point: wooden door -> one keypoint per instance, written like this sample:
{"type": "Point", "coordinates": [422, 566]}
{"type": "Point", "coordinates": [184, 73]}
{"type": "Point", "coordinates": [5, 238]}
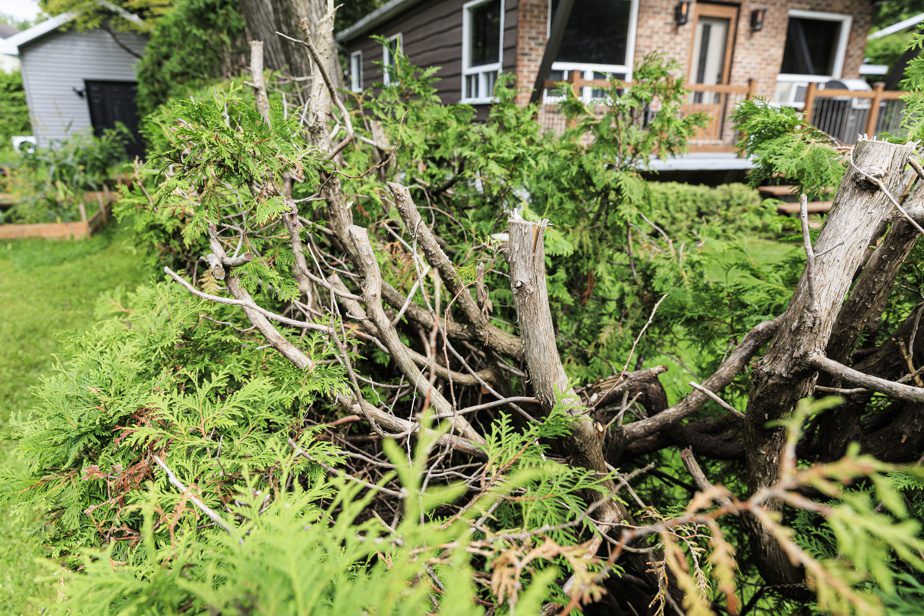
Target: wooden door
{"type": "Point", "coordinates": [111, 103]}
{"type": "Point", "coordinates": [711, 50]}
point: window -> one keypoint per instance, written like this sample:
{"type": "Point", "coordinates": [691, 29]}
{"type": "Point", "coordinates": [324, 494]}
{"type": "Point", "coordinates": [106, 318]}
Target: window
{"type": "Point", "coordinates": [356, 71]}
{"type": "Point", "coordinates": [814, 52]}
{"type": "Point", "coordinates": [482, 31]}
{"type": "Point", "coordinates": [390, 50]}
{"type": "Point", "coordinates": [598, 43]}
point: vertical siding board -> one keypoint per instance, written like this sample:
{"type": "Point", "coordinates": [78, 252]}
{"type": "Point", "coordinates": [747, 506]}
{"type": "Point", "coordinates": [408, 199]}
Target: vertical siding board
{"type": "Point", "coordinates": [432, 35]}
{"type": "Point", "coordinates": [56, 65]}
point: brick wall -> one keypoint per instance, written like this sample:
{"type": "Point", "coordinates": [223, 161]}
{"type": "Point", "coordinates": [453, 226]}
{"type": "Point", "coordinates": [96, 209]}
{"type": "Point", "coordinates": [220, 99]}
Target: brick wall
{"type": "Point", "coordinates": [757, 55]}
{"type": "Point", "coordinates": [532, 33]}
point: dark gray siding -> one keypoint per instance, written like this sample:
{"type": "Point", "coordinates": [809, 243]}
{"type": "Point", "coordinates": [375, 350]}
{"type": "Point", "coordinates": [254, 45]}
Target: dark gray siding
{"type": "Point", "coordinates": [56, 65]}
{"type": "Point", "coordinates": [432, 36]}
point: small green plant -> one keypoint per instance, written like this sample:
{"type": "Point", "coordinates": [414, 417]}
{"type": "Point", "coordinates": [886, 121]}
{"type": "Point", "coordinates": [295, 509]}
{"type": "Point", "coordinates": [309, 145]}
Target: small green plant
{"type": "Point", "coordinates": [49, 182]}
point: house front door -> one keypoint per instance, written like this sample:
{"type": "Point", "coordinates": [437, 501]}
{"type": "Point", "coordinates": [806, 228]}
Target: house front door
{"type": "Point", "coordinates": [711, 52]}
{"type": "Point", "coordinates": [111, 103]}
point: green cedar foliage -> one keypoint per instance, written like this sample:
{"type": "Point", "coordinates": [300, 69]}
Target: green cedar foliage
{"type": "Point", "coordinates": [914, 82]}
{"type": "Point", "coordinates": [313, 549]}
{"type": "Point", "coordinates": [161, 375]}
{"type": "Point", "coordinates": [785, 146]}
{"type": "Point", "coordinates": [93, 14]}
{"type": "Point", "coordinates": [168, 377]}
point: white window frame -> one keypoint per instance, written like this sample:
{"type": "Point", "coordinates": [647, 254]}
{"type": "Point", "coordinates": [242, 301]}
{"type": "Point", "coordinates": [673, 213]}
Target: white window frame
{"type": "Point", "coordinates": [480, 70]}
{"type": "Point", "coordinates": [356, 71]}
{"type": "Point", "coordinates": [588, 69]}
{"type": "Point", "coordinates": [387, 60]}
{"type": "Point", "coordinates": [840, 54]}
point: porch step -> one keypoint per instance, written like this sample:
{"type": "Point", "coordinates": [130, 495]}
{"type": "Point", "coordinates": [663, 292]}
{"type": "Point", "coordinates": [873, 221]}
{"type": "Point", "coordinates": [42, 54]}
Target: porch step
{"type": "Point", "coordinates": [780, 191]}
{"type": "Point", "coordinates": [814, 207]}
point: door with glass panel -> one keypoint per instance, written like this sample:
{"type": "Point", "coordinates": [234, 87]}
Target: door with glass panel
{"type": "Point", "coordinates": [710, 63]}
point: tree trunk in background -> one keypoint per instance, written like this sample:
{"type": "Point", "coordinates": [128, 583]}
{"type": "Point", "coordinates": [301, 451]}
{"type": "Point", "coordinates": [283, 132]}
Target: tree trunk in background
{"type": "Point", "coordinates": [784, 374]}
{"type": "Point", "coordinates": [266, 17]}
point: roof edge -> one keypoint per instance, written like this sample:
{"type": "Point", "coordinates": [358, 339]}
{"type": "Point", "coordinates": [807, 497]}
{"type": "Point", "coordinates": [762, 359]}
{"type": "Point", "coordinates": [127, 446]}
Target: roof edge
{"type": "Point", "coordinates": [375, 18]}
{"type": "Point", "coordinates": [10, 46]}
{"type": "Point", "coordinates": [897, 27]}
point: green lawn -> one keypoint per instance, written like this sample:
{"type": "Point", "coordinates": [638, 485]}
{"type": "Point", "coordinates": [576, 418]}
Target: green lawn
{"type": "Point", "coordinates": [48, 291]}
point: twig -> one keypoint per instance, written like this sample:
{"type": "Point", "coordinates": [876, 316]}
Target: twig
{"type": "Point", "coordinates": [699, 477]}
{"type": "Point", "coordinates": [809, 251]}
{"type": "Point", "coordinates": [212, 514]}
{"type": "Point", "coordinates": [917, 167]}
{"type": "Point", "coordinates": [252, 305]}
{"type": "Point", "coordinates": [642, 333]}
{"type": "Point", "coordinates": [715, 398]}
{"type": "Point", "coordinates": [339, 473]}
{"type": "Point", "coordinates": [883, 386]}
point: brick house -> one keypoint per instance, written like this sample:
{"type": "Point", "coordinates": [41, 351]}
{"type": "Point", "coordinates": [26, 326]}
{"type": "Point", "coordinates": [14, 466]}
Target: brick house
{"type": "Point", "coordinates": [727, 50]}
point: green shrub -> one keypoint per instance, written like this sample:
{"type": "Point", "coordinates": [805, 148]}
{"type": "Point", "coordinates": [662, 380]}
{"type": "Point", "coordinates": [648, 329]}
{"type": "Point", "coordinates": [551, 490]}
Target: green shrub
{"type": "Point", "coordinates": [786, 149]}
{"type": "Point", "coordinates": [164, 453]}
{"type": "Point", "coordinates": [48, 182]}
{"type": "Point", "coordinates": [163, 379]}
{"type": "Point", "coordinates": [728, 211]}
{"type": "Point", "coordinates": [15, 117]}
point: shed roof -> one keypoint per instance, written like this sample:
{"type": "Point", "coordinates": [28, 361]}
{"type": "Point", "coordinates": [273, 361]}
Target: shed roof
{"type": "Point", "coordinates": [6, 31]}
{"type": "Point", "coordinates": [12, 45]}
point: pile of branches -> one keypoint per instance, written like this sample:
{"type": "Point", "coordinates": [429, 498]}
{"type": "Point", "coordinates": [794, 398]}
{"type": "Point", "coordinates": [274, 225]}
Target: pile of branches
{"type": "Point", "coordinates": [450, 368]}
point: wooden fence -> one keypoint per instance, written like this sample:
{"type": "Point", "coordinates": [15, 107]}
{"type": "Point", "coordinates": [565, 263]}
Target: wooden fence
{"type": "Point", "coordinates": [846, 114]}
{"type": "Point", "coordinates": [843, 114]}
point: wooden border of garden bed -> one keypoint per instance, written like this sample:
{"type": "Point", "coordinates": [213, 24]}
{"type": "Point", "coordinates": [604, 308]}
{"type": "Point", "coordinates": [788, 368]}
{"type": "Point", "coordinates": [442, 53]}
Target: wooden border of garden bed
{"type": "Point", "coordinates": [85, 227]}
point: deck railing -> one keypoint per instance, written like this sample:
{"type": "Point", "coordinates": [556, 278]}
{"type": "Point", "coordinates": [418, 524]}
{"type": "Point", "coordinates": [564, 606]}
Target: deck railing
{"type": "Point", "coordinates": [843, 114]}
{"type": "Point", "coordinates": [846, 114]}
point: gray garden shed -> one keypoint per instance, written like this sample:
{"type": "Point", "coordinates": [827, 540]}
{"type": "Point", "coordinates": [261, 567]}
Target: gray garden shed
{"type": "Point", "coordinates": [75, 80]}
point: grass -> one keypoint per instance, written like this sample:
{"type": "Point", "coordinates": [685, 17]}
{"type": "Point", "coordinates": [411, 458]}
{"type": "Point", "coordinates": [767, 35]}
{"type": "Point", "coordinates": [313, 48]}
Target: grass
{"type": "Point", "coordinates": [48, 291]}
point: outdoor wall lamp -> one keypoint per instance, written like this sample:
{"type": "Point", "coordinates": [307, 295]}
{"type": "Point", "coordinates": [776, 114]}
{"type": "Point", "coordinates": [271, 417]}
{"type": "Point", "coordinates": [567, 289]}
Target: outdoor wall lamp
{"type": "Point", "coordinates": [758, 16]}
{"type": "Point", "coordinates": [79, 93]}
{"type": "Point", "coordinates": [682, 13]}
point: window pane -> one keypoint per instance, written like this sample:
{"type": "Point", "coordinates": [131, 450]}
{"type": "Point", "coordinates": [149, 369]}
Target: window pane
{"type": "Point", "coordinates": [489, 78]}
{"type": "Point", "coordinates": [811, 45]}
{"type": "Point", "coordinates": [392, 47]}
{"type": "Point", "coordinates": [356, 72]}
{"type": "Point", "coordinates": [484, 33]}
{"type": "Point", "coordinates": [597, 32]}
{"type": "Point", "coordinates": [471, 86]}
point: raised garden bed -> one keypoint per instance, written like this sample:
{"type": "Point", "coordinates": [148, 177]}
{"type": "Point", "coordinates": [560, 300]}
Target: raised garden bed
{"type": "Point", "coordinates": [99, 204]}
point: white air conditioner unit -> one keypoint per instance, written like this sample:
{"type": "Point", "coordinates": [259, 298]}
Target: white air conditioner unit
{"type": "Point", "coordinates": [854, 85]}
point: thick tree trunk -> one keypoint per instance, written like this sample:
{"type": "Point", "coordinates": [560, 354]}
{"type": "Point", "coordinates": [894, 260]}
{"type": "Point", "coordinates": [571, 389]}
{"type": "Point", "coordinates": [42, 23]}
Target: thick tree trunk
{"type": "Point", "coordinates": [267, 17]}
{"type": "Point", "coordinates": [784, 375]}
{"type": "Point", "coordinates": [859, 315]}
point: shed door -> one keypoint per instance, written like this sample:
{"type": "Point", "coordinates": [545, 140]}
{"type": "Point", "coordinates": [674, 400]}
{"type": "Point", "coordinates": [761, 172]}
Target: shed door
{"type": "Point", "coordinates": [113, 102]}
